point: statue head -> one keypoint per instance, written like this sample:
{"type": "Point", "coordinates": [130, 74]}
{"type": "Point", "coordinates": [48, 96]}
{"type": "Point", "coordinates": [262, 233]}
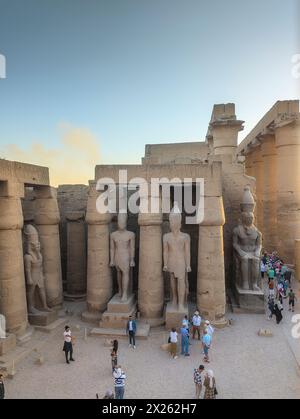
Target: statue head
{"type": "Point", "coordinates": [175, 219]}
{"type": "Point", "coordinates": [32, 238]}
{"type": "Point", "coordinates": [122, 221]}
{"type": "Point", "coordinates": [247, 219]}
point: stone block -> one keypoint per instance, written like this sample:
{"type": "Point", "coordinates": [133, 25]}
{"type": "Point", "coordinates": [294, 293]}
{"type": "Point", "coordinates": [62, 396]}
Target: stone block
{"type": "Point", "coordinates": [250, 301]}
{"type": "Point", "coordinates": [174, 317]}
{"type": "Point", "coordinates": [116, 306]}
{"type": "Point", "coordinates": [265, 332]}
{"type": "Point", "coordinates": [8, 344]}
{"type": "Point", "coordinates": [43, 318]}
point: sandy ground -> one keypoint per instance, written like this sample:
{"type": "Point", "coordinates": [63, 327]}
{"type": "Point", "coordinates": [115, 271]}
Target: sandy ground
{"type": "Point", "coordinates": [245, 365]}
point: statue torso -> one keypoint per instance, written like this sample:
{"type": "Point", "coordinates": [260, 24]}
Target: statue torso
{"type": "Point", "coordinates": [176, 253]}
{"type": "Point", "coordinates": [122, 241]}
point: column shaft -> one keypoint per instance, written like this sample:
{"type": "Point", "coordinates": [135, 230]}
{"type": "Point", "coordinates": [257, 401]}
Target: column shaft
{"type": "Point", "coordinates": [47, 220]}
{"type": "Point", "coordinates": [12, 281]}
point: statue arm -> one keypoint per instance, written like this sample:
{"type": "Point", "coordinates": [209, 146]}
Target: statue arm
{"type": "Point", "coordinates": [258, 245]}
{"type": "Point", "coordinates": [187, 253]}
{"type": "Point", "coordinates": [27, 261]}
{"type": "Point", "coordinates": [236, 245]}
{"type": "Point", "coordinates": [166, 253]}
{"type": "Point", "coordinates": [112, 251]}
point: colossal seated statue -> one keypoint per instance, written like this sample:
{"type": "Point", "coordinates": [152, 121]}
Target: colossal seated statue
{"type": "Point", "coordinates": [247, 244]}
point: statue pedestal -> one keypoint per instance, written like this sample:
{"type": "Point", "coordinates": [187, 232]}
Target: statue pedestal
{"type": "Point", "coordinates": [174, 317]}
{"type": "Point", "coordinates": [117, 313]}
{"type": "Point", "coordinates": [44, 318]}
{"type": "Point", "coordinates": [7, 344]}
{"type": "Point", "coordinates": [249, 301]}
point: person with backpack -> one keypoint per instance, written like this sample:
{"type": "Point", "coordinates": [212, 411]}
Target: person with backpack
{"type": "Point", "coordinates": [119, 378]}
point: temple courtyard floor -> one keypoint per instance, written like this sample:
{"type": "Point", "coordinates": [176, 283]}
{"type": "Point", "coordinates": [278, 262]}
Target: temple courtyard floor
{"type": "Point", "coordinates": [245, 364]}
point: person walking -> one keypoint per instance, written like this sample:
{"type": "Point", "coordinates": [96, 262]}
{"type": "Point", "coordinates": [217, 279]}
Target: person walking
{"type": "Point", "coordinates": [206, 342]}
{"type": "Point", "coordinates": [68, 345]}
{"type": "Point", "coordinates": [114, 354]}
{"type": "Point", "coordinates": [119, 377]}
{"type": "Point", "coordinates": [263, 269]}
{"type": "Point", "coordinates": [2, 388]}
{"type": "Point", "coordinates": [210, 386]}
{"type": "Point", "coordinates": [198, 380]}
{"type": "Point", "coordinates": [271, 306]}
{"type": "Point", "coordinates": [173, 340]}
{"type": "Point", "coordinates": [196, 321]}
{"type": "Point", "coordinates": [131, 331]}
{"type": "Point", "coordinates": [271, 274]}
{"type": "Point", "coordinates": [278, 311]}
{"type": "Point", "coordinates": [184, 341]}
{"type": "Point", "coordinates": [292, 298]}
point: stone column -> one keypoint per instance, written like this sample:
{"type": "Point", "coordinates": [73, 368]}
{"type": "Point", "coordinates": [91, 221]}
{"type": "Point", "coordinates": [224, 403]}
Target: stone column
{"type": "Point", "coordinates": [12, 281]}
{"type": "Point", "coordinates": [287, 136]}
{"type": "Point", "coordinates": [268, 152]}
{"type": "Point", "coordinates": [258, 173]}
{"type": "Point", "coordinates": [99, 278]}
{"type": "Point", "coordinates": [151, 285]}
{"type": "Point", "coordinates": [211, 298]}
{"type": "Point", "coordinates": [47, 222]}
{"type": "Point", "coordinates": [225, 135]}
{"type": "Point", "coordinates": [297, 259]}
{"type": "Point", "coordinates": [76, 255]}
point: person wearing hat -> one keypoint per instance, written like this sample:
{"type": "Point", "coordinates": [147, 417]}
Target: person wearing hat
{"type": "Point", "coordinates": [209, 328]}
{"type": "Point", "coordinates": [196, 321]}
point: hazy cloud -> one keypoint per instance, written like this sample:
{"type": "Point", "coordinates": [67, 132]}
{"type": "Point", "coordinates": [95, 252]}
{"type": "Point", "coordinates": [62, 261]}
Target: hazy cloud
{"type": "Point", "coordinates": [73, 161]}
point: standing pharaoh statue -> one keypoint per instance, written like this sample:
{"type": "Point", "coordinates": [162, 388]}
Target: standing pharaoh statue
{"type": "Point", "coordinates": [247, 244]}
{"type": "Point", "coordinates": [177, 255]}
{"type": "Point", "coordinates": [122, 252]}
{"type": "Point", "coordinates": [35, 281]}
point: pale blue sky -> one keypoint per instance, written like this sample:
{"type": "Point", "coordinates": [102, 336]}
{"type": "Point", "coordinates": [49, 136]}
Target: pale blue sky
{"type": "Point", "coordinates": [140, 71]}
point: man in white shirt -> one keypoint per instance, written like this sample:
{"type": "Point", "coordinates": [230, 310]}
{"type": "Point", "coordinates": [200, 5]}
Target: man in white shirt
{"type": "Point", "coordinates": [196, 324]}
{"type": "Point", "coordinates": [68, 347]}
{"type": "Point", "coordinates": [119, 377]}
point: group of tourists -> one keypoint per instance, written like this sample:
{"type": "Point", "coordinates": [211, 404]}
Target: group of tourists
{"type": "Point", "coordinates": [279, 285]}
{"type": "Point", "coordinates": [187, 329]}
{"type": "Point", "coordinates": [192, 329]}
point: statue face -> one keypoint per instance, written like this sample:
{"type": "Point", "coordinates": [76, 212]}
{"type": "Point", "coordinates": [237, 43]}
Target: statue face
{"type": "Point", "coordinates": [175, 223]}
{"type": "Point", "coordinates": [247, 219]}
{"type": "Point", "coordinates": [122, 221]}
{"type": "Point", "coordinates": [35, 246]}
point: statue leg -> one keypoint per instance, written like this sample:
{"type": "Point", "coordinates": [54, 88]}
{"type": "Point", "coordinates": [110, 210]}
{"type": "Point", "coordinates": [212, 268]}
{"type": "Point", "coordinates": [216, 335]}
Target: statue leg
{"type": "Point", "coordinates": [30, 300]}
{"type": "Point", "coordinates": [245, 273]}
{"type": "Point", "coordinates": [173, 290]}
{"type": "Point", "coordinates": [181, 293]}
{"type": "Point", "coordinates": [42, 294]}
{"type": "Point", "coordinates": [255, 265]}
{"type": "Point", "coordinates": [125, 278]}
{"type": "Point", "coordinates": [119, 279]}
